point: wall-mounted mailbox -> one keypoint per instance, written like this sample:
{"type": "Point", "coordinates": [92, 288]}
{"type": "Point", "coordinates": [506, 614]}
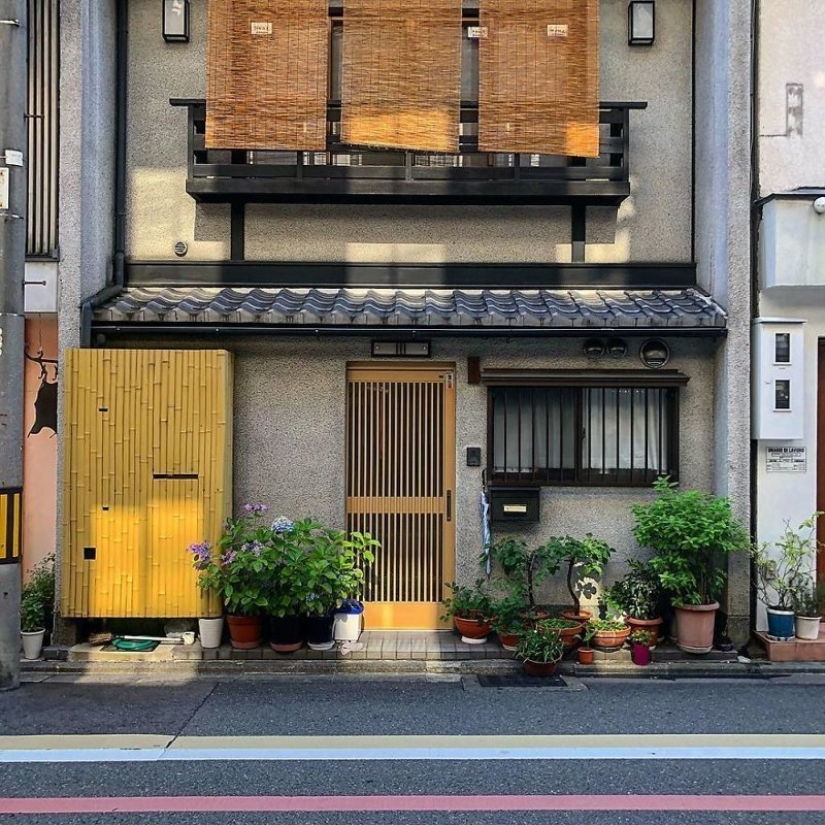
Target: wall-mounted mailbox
{"type": "Point", "coordinates": [514, 504]}
{"type": "Point", "coordinates": [778, 380]}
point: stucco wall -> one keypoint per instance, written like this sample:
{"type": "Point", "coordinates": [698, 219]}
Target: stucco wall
{"type": "Point", "coordinates": [290, 436]}
{"type": "Point", "coordinates": [791, 149]}
{"type": "Point", "coordinates": [652, 225]}
{"type": "Point", "coordinates": [723, 130]}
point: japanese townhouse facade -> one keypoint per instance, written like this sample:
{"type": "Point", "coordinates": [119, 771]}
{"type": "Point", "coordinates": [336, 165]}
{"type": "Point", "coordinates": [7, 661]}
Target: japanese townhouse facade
{"type": "Point", "coordinates": [789, 231]}
{"type": "Point", "coordinates": [405, 326]}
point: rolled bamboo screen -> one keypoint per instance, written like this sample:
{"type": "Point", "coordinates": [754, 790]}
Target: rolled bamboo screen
{"type": "Point", "coordinates": [539, 77]}
{"type": "Point", "coordinates": [402, 74]}
{"type": "Point", "coordinates": [267, 74]}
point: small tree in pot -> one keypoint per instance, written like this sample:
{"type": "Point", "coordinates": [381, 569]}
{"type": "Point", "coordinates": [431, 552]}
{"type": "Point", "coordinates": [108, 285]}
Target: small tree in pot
{"type": "Point", "coordinates": [471, 609]}
{"type": "Point", "coordinates": [692, 533]}
{"type": "Point", "coordinates": [581, 559]}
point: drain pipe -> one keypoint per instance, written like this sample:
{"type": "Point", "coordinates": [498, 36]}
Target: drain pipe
{"type": "Point", "coordinates": [118, 274]}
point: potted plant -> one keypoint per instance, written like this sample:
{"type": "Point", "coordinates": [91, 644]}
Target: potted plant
{"type": "Point", "coordinates": [636, 595]}
{"type": "Point", "coordinates": [234, 569]}
{"type": "Point", "coordinates": [783, 573]}
{"type": "Point", "coordinates": [525, 570]}
{"type": "Point", "coordinates": [539, 652]}
{"type": "Point", "coordinates": [36, 607]}
{"type": "Point", "coordinates": [640, 645]}
{"type": "Point", "coordinates": [567, 630]}
{"type": "Point", "coordinates": [585, 651]}
{"type": "Point", "coordinates": [581, 559]}
{"type": "Point", "coordinates": [806, 613]}
{"type": "Point", "coordinates": [608, 634]}
{"type": "Point", "coordinates": [332, 572]}
{"type": "Point", "coordinates": [470, 608]}
{"type": "Point", "coordinates": [508, 620]}
{"type": "Point", "coordinates": [691, 533]}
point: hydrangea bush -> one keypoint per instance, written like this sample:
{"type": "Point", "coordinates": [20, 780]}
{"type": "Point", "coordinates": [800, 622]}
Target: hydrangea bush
{"type": "Point", "coordinates": [282, 568]}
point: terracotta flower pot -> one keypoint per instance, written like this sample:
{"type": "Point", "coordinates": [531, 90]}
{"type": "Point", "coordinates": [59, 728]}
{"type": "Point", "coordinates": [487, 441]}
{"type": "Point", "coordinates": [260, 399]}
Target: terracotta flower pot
{"type": "Point", "coordinates": [610, 639]}
{"type": "Point", "coordinates": [586, 655]}
{"type": "Point", "coordinates": [694, 627]}
{"type": "Point", "coordinates": [568, 635]}
{"type": "Point", "coordinates": [582, 616]}
{"type": "Point", "coordinates": [650, 626]}
{"type": "Point", "coordinates": [509, 641]}
{"type": "Point", "coordinates": [245, 632]}
{"type": "Point", "coordinates": [538, 668]}
{"type": "Point", "coordinates": [473, 631]}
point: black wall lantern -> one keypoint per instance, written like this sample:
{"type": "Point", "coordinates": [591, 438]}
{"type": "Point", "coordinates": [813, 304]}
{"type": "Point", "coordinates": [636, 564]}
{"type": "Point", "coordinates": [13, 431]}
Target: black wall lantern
{"type": "Point", "coordinates": [176, 21]}
{"type": "Point", "coordinates": [641, 23]}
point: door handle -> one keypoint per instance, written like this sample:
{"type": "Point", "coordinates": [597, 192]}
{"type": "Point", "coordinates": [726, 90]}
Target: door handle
{"type": "Point", "coordinates": [449, 505]}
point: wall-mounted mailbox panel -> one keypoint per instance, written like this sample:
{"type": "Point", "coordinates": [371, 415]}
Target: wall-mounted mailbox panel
{"type": "Point", "coordinates": [516, 504]}
{"type": "Point", "coordinates": [778, 380]}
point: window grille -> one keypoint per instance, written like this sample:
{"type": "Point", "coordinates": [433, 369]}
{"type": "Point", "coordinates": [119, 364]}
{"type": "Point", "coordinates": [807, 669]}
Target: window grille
{"type": "Point", "coordinates": [599, 436]}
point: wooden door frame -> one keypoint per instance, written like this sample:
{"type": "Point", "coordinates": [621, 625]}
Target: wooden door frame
{"type": "Point", "coordinates": [425, 615]}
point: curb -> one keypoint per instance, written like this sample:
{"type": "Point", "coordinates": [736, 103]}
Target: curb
{"type": "Point", "coordinates": [418, 667]}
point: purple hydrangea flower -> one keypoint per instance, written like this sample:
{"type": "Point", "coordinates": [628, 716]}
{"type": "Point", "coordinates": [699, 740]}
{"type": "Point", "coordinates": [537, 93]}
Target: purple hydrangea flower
{"type": "Point", "coordinates": [228, 557]}
{"type": "Point", "coordinates": [255, 508]}
{"type": "Point", "coordinates": [283, 525]}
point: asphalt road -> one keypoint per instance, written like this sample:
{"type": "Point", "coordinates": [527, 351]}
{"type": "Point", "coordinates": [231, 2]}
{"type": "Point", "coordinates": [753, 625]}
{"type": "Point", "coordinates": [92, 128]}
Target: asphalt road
{"type": "Point", "coordinates": [375, 708]}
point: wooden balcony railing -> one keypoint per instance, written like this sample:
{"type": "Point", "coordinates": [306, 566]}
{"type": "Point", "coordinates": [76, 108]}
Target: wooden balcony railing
{"type": "Point", "coordinates": [347, 174]}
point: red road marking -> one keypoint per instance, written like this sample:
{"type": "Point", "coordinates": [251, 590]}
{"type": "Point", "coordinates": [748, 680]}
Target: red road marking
{"type": "Point", "coordinates": [282, 804]}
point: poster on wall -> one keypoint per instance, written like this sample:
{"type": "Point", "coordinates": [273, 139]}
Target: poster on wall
{"type": "Point", "coordinates": [786, 460]}
{"type": "Point", "coordinates": [45, 402]}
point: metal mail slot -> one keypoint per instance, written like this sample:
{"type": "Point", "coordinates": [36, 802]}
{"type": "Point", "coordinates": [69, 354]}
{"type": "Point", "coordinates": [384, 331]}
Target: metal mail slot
{"type": "Point", "coordinates": [514, 504]}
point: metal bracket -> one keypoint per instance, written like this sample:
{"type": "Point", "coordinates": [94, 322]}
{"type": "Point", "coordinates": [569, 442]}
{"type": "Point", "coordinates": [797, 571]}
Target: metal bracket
{"type": "Point", "coordinates": [9, 22]}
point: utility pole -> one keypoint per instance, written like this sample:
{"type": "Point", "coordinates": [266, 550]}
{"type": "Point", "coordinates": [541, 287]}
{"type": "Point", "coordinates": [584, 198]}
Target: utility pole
{"type": "Point", "coordinates": [13, 192]}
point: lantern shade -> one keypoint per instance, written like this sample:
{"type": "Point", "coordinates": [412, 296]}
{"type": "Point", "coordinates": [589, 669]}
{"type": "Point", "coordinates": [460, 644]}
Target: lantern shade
{"type": "Point", "coordinates": [641, 23]}
{"type": "Point", "coordinates": [176, 21]}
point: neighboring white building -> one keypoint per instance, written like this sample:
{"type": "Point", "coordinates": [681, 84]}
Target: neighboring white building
{"type": "Point", "coordinates": [789, 325]}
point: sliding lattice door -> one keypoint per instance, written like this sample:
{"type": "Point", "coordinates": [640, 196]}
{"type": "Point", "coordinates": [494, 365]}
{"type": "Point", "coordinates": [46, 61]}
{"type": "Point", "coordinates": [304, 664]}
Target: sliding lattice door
{"type": "Point", "coordinates": [401, 487]}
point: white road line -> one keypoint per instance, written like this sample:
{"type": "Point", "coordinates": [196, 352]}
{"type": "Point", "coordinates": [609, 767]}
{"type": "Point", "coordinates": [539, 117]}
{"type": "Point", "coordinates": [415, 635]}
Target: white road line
{"type": "Point", "coordinates": [23, 756]}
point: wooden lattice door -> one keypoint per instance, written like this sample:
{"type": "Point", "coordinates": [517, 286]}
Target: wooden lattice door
{"type": "Point", "coordinates": [401, 487]}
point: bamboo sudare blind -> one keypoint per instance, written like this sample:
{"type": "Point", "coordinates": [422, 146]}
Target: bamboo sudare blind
{"type": "Point", "coordinates": [539, 77]}
{"type": "Point", "coordinates": [402, 74]}
{"type": "Point", "coordinates": [267, 74]}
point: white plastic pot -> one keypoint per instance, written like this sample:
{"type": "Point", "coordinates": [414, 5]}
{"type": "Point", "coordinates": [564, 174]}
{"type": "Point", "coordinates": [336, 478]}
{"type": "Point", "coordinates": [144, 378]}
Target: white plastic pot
{"type": "Point", "coordinates": [346, 627]}
{"type": "Point", "coordinates": [807, 627]}
{"type": "Point", "coordinates": [32, 643]}
{"type": "Point", "coordinates": [211, 632]}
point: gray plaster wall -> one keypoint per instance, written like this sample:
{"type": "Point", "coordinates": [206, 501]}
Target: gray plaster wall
{"type": "Point", "coordinates": [723, 186]}
{"type": "Point", "coordinates": [290, 436]}
{"type": "Point", "coordinates": [652, 225]}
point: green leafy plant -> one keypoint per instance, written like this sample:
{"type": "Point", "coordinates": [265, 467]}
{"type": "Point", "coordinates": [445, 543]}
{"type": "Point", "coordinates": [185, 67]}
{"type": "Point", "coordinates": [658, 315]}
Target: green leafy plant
{"type": "Point", "coordinates": [641, 637]}
{"type": "Point", "coordinates": [332, 569]}
{"type": "Point", "coordinates": [586, 635]}
{"type": "Point", "coordinates": [235, 567]}
{"type": "Point", "coordinates": [507, 614]}
{"type": "Point", "coordinates": [535, 646]}
{"type": "Point", "coordinates": [37, 597]}
{"type": "Point", "coordinates": [606, 626]}
{"type": "Point", "coordinates": [584, 559]}
{"type": "Point", "coordinates": [467, 602]}
{"type": "Point", "coordinates": [784, 569]}
{"type": "Point", "coordinates": [690, 532]}
{"type": "Point", "coordinates": [636, 594]}
{"type": "Point", "coordinates": [806, 604]}
{"type": "Point", "coordinates": [555, 625]}
{"type": "Point", "coordinates": [525, 568]}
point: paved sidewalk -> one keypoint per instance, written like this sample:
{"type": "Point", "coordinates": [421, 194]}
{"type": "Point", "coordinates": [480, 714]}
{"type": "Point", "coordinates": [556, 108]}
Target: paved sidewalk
{"type": "Point", "coordinates": [388, 652]}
